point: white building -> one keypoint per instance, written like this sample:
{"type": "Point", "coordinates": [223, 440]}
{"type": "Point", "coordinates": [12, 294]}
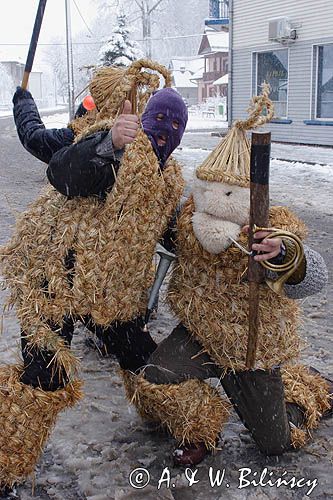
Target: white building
{"type": "Point", "coordinates": [289, 44]}
{"type": "Point", "coordinates": [183, 69]}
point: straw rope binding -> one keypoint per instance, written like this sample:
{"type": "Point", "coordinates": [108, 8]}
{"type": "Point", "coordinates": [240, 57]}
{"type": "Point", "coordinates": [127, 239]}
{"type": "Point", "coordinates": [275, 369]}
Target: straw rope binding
{"type": "Point", "coordinates": [229, 162]}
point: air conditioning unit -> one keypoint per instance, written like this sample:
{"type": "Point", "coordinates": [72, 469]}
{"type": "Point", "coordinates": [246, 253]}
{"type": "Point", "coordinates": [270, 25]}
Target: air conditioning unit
{"type": "Point", "coordinates": [281, 30]}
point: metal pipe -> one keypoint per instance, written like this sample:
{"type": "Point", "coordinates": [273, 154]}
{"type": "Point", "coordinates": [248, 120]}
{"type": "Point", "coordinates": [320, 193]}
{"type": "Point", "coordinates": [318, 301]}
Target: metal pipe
{"type": "Point", "coordinates": [230, 71]}
{"type": "Point", "coordinates": [70, 72]}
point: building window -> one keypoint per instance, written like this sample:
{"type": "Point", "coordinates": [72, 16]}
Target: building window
{"type": "Point", "coordinates": [325, 81]}
{"type": "Point", "coordinates": [272, 67]}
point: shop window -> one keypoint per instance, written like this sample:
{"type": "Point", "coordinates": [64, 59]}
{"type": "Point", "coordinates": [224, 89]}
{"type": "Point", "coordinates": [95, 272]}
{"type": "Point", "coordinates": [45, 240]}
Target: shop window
{"type": "Point", "coordinates": [272, 67]}
{"type": "Point", "coordinates": [324, 87]}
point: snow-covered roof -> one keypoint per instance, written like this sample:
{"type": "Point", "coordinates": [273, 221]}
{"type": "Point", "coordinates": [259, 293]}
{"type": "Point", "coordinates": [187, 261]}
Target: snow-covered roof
{"type": "Point", "coordinates": [222, 80]}
{"type": "Point", "coordinates": [218, 40]}
{"type": "Point", "coordinates": [19, 54]}
{"type": "Point", "coordinates": [214, 41]}
{"type": "Point", "coordinates": [191, 64]}
{"type": "Point", "coordinates": [11, 60]}
{"type": "Point", "coordinates": [198, 74]}
{"type": "Point", "coordinates": [183, 79]}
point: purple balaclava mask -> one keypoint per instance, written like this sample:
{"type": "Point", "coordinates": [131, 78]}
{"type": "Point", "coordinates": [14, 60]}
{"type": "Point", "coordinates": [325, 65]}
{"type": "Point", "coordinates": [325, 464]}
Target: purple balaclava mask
{"type": "Point", "coordinates": [164, 121]}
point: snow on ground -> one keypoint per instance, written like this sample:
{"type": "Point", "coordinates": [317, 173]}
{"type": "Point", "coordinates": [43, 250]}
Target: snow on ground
{"type": "Point", "coordinates": [194, 122]}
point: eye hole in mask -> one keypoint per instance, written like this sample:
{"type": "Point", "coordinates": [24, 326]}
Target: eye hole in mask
{"type": "Point", "coordinates": [175, 123]}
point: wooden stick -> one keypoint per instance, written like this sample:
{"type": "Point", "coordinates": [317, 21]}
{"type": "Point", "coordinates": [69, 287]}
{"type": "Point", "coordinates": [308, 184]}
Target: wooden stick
{"type": "Point", "coordinates": [259, 215]}
{"type": "Point", "coordinates": [33, 43]}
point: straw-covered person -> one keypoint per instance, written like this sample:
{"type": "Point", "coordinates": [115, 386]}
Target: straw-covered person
{"type": "Point", "coordinates": [281, 400]}
{"type": "Point", "coordinates": [83, 251]}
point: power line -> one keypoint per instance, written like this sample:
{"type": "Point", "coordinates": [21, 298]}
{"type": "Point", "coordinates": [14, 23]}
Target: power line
{"type": "Point", "coordinates": [175, 37]}
{"type": "Point", "coordinates": [77, 8]}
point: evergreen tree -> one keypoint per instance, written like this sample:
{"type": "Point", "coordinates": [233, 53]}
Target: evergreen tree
{"type": "Point", "coordinates": [119, 49]}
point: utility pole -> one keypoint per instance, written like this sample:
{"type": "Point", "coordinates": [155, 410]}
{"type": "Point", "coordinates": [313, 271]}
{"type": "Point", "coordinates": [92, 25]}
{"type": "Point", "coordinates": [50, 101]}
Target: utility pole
{"type": "Point", "coordinates": [70, 72]}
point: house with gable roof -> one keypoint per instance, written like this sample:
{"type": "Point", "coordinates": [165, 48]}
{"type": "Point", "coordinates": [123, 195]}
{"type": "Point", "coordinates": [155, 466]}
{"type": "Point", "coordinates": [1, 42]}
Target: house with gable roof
{"type": "Point", "coordinates": [183, 69]}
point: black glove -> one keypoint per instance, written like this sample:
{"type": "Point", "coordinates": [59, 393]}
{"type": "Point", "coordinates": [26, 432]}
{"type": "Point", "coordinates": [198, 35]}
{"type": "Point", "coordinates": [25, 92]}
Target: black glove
{"type": "Point", "coordinates": [21, 94]}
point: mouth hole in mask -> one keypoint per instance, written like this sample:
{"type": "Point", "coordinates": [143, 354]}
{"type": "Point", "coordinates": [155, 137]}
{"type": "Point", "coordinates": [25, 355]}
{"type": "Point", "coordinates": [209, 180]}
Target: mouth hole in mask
{"type": "Point", "coordinates": [228, 193]}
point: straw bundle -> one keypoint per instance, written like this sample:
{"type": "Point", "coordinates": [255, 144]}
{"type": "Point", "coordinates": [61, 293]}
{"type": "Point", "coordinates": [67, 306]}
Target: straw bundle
{"type": "Point", "coordinates": [192, 411]}
{"type": "Point", "coordinates": [298, 437]}
{"type": "Point", "coordinates": [78, 125]}
{"type": "Point", "coordinates": [111, 86]}
{"type": "Point", "coordinates": [27, 416]}
{"type": "Point", "coordinates": [229, 162]}
{"type": "Point", "coordinates": [209, 295]}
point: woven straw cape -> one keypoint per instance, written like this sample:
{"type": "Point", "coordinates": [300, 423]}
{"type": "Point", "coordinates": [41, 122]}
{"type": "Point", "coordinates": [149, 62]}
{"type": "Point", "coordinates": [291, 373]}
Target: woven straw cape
{"type": "Point", "coordinates": [229, 162]}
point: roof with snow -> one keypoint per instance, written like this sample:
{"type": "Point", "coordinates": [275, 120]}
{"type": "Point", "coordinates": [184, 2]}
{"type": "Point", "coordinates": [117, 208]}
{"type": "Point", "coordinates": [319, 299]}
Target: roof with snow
{"type": "Point", "coordinates": [191, 64]}
{"type": "Point", "coordinates": [222, 80]}
{"type": "Point", "coordinates": [198, 74]}
{"type": "Point", "coordinates": [214, 41]}
{"type": "Point", "coordinates": [182, 79]}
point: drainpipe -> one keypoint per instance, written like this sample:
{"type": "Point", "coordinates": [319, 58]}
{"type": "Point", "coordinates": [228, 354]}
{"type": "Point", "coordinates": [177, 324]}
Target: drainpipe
{"type": "Point", "coordinates": [229, 97]}
{"type": "Point", "coordinates": [70, 70]}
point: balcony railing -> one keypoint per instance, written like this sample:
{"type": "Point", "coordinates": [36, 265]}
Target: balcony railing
{"type": "Point", "coordinates": [218, 9]}
{"type": "Point", "coordinates": [210, 76]}
{"type": "Point", "coordinates": [218, 14]}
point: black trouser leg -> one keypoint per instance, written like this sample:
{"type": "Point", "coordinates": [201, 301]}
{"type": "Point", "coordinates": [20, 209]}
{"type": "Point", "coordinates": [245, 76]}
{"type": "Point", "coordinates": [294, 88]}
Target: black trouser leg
{"type": "Point", "coordinates": [258, 398]}
{"type": "Point", "coordinates": [128, 342]}
{"type": "Point", "coordinates": [178, 358]}
{"type": "Point", "coordinates": [103, 345]}
{"type": "Point", "coordinates": [39, 367]}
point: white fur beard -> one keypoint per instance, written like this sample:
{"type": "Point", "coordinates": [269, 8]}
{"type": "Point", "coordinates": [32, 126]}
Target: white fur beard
{"type": "Point", "coordinates": [214, 233]}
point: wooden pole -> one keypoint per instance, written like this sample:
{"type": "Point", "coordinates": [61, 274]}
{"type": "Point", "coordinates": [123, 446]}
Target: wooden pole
{"type": "Point", "coordinates": [33, 43]}
{"type": "Point", "coordinates": [259, 215]}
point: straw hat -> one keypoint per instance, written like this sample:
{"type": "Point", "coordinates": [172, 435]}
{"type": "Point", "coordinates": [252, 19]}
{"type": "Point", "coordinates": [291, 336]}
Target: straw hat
{"type": "Point", "coordinates": [229, 162]}
{"type": "Point", "coordinates": [111, 85]}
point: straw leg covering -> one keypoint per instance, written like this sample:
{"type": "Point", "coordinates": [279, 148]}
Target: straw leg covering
{"type": "Point", "coordinates": [309, 391]}
{"type": "Point", "coordinates": [27, 416]}
{"type": "Point", "coordinates": [192, 411]}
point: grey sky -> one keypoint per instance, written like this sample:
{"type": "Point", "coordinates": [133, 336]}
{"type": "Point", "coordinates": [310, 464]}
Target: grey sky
{"type": "Point", "coordinates": [17, 20]}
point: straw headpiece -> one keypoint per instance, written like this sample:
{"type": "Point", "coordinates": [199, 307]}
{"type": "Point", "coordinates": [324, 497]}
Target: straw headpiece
{"type": "Point", "coordinates": [230, 161]}
{"type": "Point", "coordinates": [111, 86]}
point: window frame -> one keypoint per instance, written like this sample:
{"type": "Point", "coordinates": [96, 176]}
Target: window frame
{"type": "Point", "coordinates": [254, 69]}
{"type": "Point", "coordinates": [315, 82]}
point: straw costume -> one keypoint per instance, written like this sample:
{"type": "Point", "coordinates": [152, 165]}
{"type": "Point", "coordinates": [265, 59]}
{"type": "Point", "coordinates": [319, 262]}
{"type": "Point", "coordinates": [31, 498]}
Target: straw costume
{"type": "Point", "coordinates": [208, 291]}
{"type": "Point", "coordinates": [86, 255]}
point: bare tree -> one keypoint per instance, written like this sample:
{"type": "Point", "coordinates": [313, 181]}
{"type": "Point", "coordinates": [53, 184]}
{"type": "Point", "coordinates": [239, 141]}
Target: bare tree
{"type": "Point", "coordinates": [146, 8]}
